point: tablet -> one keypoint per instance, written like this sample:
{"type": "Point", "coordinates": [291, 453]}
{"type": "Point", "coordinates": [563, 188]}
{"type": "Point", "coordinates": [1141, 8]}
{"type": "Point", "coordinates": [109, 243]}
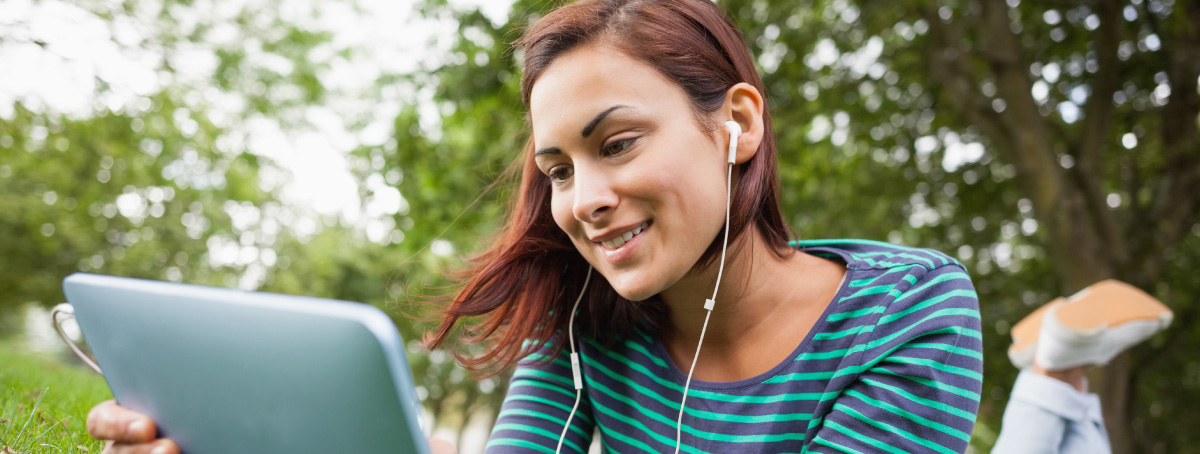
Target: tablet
{"type": "Point", "coordinates": [229, 371]}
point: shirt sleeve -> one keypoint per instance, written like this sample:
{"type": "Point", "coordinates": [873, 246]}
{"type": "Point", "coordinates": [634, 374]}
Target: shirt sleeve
{"type": "Point", "coordinates": [534, 413]}
{"type": "Point", "coordinates": [919, 377]}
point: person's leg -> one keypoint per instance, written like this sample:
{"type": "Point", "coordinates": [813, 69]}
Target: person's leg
{"type": "Point", "coordinates": [1050, 412]}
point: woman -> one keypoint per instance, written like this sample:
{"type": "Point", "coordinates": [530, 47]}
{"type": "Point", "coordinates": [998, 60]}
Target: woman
{"type": "Point", "coordinates": [818, 346]}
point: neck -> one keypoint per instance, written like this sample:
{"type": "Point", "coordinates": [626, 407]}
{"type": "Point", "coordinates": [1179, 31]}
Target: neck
{"type": "Point", "coordinates": [758, 289]}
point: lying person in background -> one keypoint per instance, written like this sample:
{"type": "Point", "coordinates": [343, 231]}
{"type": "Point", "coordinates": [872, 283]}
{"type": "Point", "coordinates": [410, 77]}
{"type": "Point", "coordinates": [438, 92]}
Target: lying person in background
{"type": "Point", "coordinates": [1050, 410]}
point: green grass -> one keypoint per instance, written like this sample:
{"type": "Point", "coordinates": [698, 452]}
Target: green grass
{"type": "Point", "coordinates": [44, 403]}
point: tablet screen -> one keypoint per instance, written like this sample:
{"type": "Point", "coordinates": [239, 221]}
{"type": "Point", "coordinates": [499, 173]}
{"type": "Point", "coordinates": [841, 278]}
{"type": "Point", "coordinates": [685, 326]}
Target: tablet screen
{"type": "Point", "coordinates": [228, 371]}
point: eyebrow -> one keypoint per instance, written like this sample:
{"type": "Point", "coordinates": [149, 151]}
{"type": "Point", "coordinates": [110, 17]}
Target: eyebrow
{"type": "Point", "coordinates": [591, 126]}
{"type": "Point", "coordinates": [587, 129]}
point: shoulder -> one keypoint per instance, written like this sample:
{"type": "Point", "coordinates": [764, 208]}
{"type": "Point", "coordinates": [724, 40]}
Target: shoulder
{"type": "Point", "coordinates": [868, 255]}
{"type": "Point", "coordinates": [910, 290]}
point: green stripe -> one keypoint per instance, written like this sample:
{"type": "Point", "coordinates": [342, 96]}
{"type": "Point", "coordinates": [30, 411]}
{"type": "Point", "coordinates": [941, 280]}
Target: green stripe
{"type": "Point", "coordinates": [935, 384]}
{"type": "Point", "coordinates": [542, 400]}
{"type": "Point", "coordinates": [868, 280]}
{"type": "Point", "coordinates": [516, 385]}
{"type": "Point", "coordinates": [606, 435]}
{"type": "Point", "coordinates": [700, 393]}
{"type": "Point", "coordinates": [536, 431]}
{"type": "Point", "coordinates": [923, 401]}
{"type": "Point", "coordinates": [688, 429]}
{"type": "Point", "coordinates": [936, 365]}
{"type": "Point", "coordinates": [517, 442]}
{"type": "Point", "coordinates": [513, 412]}
{"type": "Point", "coordinates": [863, 438]}
{"type": "Point", "coordinates": [932, 301]}
{"type": "Point", "coordinates": [839, 353]}
{"type": "Point", "coordinates": [884, 288]}
{"type": "Point", "coordinates": [974, 354]}
{"type": "Point", "coordinates": [892, 429]}
{"type": "Point", "coordinates": [523, 372]}
{"type": "Point", "coordinates": [842, 448]}
{"type": "Point", "coordinates": [843, 333]}
{"type": "Point", "coordinates": [642, 349]}
{"type": "Point", "coordinates": [873, 262]}
{"type": "Point", "coordinates": [638, 425]}
{"type": "Point", "coordinates": [800, 376]}
{"type": "Point", "coordinates": [949, 329]}
{"type": "Point", "coordinates": [902, 249]}
{"type": "Point", "coordinates": [902, 254]}
{"type": "Point", "coordinates": [697, 393]}
{"type": "Point", "coordinates": [839, 316]}
{"type": "Point", "coordinates": [910, 416]}
{"type": "Point", "coordinates": [949, 276]}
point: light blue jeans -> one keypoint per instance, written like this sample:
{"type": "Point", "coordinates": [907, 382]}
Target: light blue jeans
{"type": "Point", "coordinates": [1046, 415]}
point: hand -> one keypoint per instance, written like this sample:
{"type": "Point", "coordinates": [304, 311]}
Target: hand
{"type": "Point", "coordinates": [441, 446]}
{"type": "Point", "coordinates": [126, 431]}
{"type": "Point", "coordinates": [130, 432]}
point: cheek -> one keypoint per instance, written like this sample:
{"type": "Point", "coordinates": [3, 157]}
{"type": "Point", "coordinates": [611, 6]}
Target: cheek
{"type": "Point", "coordinates": [560, 209]}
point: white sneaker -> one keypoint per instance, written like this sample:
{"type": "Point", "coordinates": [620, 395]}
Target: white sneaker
{"type": "Point", "coordinates": [1025, 336]}
{"type": "Point", "coordinates": [1094, 325]}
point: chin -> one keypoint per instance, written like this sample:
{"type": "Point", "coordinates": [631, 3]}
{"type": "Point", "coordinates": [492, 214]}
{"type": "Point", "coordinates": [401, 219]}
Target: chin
{"type": "Point", "coordinates": [634, 289]}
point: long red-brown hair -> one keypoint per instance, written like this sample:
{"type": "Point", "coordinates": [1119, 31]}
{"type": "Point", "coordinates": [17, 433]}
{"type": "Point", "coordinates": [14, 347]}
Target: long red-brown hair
{"type": "Point", "coordinates": [525, 283]}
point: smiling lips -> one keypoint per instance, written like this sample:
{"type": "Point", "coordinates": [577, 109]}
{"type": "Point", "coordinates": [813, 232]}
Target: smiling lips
{"type": "Point", "coordinates": [620, 240]}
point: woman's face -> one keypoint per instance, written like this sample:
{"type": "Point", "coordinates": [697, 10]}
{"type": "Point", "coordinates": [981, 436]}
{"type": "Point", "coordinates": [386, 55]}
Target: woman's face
{"type": "Point", "coordinates": [637, 185]}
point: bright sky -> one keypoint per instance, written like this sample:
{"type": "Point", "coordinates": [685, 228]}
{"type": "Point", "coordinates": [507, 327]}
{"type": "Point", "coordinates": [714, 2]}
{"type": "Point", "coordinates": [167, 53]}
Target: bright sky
{"type": "Point", "coordinates": [81, 48]}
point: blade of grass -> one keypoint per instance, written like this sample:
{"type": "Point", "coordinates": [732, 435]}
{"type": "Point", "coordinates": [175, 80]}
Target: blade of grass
{"type": "Point", "coordinates": [52, 446]}
{"type": "Point", "coordinates": [32, 414]}
{"type": "Point", "coordinates": [49, 427]}
{"type": "Point", "coordinates": [11, 420]}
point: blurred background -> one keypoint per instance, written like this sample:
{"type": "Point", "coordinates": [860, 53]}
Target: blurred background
{"type": "Point", "coordinates": [346, 149]}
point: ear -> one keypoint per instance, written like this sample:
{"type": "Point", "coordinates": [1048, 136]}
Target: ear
{"type": "Point", "coordinates": [744, 104]}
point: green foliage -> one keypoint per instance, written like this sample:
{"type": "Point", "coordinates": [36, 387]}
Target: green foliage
{"type": "Point", "coordinates": [133, 196]}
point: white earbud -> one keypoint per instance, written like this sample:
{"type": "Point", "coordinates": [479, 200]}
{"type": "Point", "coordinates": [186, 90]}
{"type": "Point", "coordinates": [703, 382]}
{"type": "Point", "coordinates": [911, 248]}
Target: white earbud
{"type": "Point", "coordinates": [735, 130]}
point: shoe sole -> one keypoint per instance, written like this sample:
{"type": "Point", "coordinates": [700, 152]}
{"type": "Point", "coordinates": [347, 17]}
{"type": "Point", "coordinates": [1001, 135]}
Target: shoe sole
{"type": "Point", "coordinates": [1025, 336]}
{"type": "Point", "coordinates": [1109, 304]}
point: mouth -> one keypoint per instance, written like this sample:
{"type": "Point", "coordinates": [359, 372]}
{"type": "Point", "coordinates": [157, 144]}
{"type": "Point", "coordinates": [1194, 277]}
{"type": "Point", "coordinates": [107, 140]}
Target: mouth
{"type": "Point", "coordinates": [623, 238]}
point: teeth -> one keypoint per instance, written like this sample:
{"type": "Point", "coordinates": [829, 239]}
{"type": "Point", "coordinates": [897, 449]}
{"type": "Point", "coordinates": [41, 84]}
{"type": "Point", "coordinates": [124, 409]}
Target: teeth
{"type": "Point", "coordinates": [622, 239]}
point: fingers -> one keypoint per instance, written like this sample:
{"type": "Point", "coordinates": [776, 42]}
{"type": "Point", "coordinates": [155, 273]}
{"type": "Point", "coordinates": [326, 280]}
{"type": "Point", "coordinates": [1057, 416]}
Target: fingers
{"type": "Point", "coordinates": [163, 446]}
{"type": "Point", "coordinates": [441, 446]}
{"type": "Point", "coordinates": [109, 421]}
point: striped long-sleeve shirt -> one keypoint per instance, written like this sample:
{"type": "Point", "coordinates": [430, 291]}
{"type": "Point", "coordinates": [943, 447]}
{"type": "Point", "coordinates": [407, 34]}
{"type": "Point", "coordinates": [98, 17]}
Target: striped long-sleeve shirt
{"type": "Point", "coordinates": [894, 364]}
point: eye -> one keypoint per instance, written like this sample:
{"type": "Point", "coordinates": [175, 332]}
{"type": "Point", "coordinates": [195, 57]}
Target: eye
{"type": "Point", "coordinates": [617, 148]}
{"type": "Point", "coordinates": [560, 174]}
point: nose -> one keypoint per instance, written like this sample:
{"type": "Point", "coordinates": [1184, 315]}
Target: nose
{"type": "Point", "coordinates": [594, 195]}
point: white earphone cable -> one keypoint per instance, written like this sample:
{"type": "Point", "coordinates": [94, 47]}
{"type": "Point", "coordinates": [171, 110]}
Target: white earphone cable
{"type": "Point", "coordinates": [734, 132]}
{"type": "Point", "coordinates": [708, 305]}
{"type": "Point", "coordinates": [575, 373]}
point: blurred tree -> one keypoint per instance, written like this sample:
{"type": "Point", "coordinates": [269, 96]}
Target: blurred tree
{"type": "Point", "coordinates": [1070, 127]}
{"type": "Point", "coordinates": [114, 194]}
{"type": "Point", "coordinates": [451, 171]}
{"type": "Point", "coordinates": [1047, 145]}
{"type": "Point", "coordinates": [153, 177]}
{"type": "Point", "coordinates": [168, 176]}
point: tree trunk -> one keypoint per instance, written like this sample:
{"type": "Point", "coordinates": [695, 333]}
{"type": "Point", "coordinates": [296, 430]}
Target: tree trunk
{"type": "Point", "coordinates": [1114, 391]}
